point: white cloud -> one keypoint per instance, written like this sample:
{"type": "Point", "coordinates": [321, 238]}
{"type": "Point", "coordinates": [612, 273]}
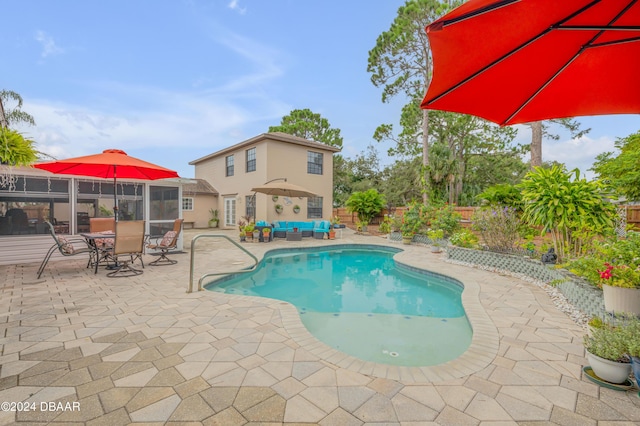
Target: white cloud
{"type": "Point", "coordinates": [577, 153]}
{"type": "Point", "coordinates": [162, 119]}
{"type": "Point", "coordinates": [235, 5]}
{"type": "Point", "coordinates": [49, 46]}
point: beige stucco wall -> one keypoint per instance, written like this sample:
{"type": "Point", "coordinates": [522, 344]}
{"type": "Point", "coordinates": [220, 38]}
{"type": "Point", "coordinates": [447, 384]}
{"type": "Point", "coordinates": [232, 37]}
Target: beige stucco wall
{"type": "Point", "coordinates": [200, 215]}
{"type": "Point", "coordinates": [274, 159]}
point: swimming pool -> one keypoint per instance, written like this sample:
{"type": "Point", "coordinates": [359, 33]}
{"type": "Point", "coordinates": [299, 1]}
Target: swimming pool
{"type": "Point", "coordinates": [359, 301]}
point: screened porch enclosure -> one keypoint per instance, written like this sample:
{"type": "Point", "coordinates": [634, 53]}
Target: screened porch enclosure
{"type": "Point", "coordinates": [29, 198]}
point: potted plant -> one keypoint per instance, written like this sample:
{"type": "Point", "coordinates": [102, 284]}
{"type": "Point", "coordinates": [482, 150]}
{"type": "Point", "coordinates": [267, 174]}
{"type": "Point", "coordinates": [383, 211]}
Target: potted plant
{"type": "Point", "coordinates": [279, 208]}
{"type": "Point", "coordinates": [362, 226]}
{"type": "Point", "coordinates": [385, 226]}
{"type": "Point", "coordinates": [265, 234]}
{"type": "Point", "coordinates": [248, 229]}
{"type": "Point", "coordinates": [607, 353]}
{"type": "Point", "coordinates": [296, 209]}
{"type": "Point", "coordinates": [213, 221]}
{"type": "Point", "coordinates": [621, 287]}
{"type": "Point", "coordinates": [436, 236]}
{"type": "Point", "coordinates": [407, 237]}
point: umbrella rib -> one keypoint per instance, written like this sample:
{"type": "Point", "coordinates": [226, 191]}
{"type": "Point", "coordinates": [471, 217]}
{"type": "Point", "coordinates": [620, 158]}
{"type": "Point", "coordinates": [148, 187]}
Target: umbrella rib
{"type": "Point", "coordinates": [510, 53]}
{"type": "Point", "coordinates": [474, 13]}
{"type": "Point", "coordinates": [582, 49]}
{"type": "Point", "coordinates": [611, 43]}
{"type": "Point", "coordinates": [600, 27]}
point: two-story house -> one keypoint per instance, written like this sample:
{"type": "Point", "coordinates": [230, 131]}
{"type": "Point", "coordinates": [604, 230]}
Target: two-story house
{"type": "Point", "coordinates": [233, 171]}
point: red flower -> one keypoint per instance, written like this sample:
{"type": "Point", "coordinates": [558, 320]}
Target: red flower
{"type": "Point", "coordinates": [605, 275]}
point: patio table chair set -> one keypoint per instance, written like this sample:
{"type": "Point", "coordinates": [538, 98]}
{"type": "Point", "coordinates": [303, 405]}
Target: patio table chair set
{"type": "Point", "coordinates": [116, 244]}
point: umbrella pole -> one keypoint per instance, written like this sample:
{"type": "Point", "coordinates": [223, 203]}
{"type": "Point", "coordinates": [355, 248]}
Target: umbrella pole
{"type": "Point", "coordinates": [115, 194]}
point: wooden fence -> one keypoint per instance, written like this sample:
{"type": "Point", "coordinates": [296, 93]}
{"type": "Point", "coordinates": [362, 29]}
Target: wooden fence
{"type": "Point", "coordinates": [349, 219]}
{"type": "Point", "coordinates": [633, 216]}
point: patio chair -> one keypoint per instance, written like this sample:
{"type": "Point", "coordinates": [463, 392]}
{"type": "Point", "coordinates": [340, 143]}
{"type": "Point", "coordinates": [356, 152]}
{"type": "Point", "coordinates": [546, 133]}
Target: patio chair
{"type": "Point", "coordinates": [169, 242]}
{"type": "Point", "coordinates": [128, 246]}
{"type": "Point", "coordinates": [67, 246]}
{"type": "Point", "coordinates": [101, 224]}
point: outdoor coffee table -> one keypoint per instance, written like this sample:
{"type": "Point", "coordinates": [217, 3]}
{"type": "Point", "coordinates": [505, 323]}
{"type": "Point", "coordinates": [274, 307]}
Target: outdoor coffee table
{"type": "Point", "coordinates": [294, 236]}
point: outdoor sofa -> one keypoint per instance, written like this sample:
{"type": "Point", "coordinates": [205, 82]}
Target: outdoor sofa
{"type": "Point", "coordinates": [314, 228]}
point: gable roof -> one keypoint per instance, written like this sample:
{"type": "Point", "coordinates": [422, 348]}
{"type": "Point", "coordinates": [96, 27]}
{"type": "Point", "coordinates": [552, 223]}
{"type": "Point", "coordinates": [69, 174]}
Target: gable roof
{"type": "Point", "coordinates": [274, 136]}
{"type": "Point", "coordinates": [198, 186]}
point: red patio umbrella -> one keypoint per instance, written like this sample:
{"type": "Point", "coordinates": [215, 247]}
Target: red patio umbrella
{"type": "Point", "coordinates": [517, 61]}
{"type": "Point", "coordinates": [111, 163]}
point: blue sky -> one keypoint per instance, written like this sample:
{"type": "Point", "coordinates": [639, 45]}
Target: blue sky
{"type": "Point", "coordinates": [170, 81]}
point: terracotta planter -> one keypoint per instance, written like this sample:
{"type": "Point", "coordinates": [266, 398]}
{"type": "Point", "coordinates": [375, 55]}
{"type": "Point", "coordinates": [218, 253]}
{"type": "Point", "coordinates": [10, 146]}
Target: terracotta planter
{"type": "Point", "coordinates": [610, 371]}
{"type": "Point", "coordinates": [620, 299]}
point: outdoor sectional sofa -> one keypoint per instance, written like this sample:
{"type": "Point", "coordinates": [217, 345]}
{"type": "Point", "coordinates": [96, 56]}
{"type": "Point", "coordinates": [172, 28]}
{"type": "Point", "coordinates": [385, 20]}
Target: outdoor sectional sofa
{"type": "Point", "coordinates": [314, 228]}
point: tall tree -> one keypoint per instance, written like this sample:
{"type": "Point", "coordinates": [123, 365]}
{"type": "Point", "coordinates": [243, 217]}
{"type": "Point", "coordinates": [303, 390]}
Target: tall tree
{"type": "Point", "coordinates": [365, 170]}
{"type": "Point", "coordinates": [13, 116]}
{"type": "Point", "coordinates": [308, 125]}
{"type": "Point", "coordinates": [15, 149]}
{"type": "Point", "coordinates": [540, 130]}
{"type": "Point", "coordinates": [622, 171]}
{"type": "Point", "coordinates": [401, 182]}
{"type": "Point", "coordinates": [401, 60]}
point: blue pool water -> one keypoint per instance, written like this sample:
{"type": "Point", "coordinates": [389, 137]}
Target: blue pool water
{"type": "Point", "coordinates": [360, 302]}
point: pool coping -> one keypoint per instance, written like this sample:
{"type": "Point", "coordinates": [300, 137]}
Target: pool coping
{"type": "Point", "coordinates": [481, 352]}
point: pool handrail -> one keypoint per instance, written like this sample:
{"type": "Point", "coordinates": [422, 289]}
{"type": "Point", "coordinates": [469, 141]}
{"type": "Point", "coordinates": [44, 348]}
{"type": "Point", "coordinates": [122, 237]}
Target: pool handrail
{"type": "Point", "coordinates": [192, 260]}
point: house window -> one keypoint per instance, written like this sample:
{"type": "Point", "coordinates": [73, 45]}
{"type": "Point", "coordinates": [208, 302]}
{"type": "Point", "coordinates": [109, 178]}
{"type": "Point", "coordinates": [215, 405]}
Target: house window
{"type": "Point", "coordinates": [251, 160]}
{"type": "Point", "coordinates": [314, 208]}
{"type": "Point", "coordinates": [314, 163]}
{"type": "Point", "coordinates": [251, 206]}
{"type": "Point", "coordinates": [229, 161]}
{"type": "Point", "coordinates": [187, 203]}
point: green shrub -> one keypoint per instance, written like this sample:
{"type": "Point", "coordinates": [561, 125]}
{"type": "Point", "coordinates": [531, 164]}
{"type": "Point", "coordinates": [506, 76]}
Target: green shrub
{"type": "Point", "coordinates": [464, 238]}
{"type": "Point", "coordinates": [413, 220]}
{"type": "Point", "coordinates": [568, 206]}
{"type": "Point", "coordinates": [447, 219]}
{"type": "Point", "coordinates": [499, 227]}
{"type": "Point", "coordinates": [366, 204]}
{"type": "Point", "coordinates": [502, 195]}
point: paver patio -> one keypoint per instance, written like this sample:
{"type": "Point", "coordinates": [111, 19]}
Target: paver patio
{"type": "Point", "coordinates": [142, 350]}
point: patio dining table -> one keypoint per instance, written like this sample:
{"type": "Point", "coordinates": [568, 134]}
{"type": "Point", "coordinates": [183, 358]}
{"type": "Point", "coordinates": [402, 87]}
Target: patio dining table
{"type": "Point", "coordinates": [92, 237]}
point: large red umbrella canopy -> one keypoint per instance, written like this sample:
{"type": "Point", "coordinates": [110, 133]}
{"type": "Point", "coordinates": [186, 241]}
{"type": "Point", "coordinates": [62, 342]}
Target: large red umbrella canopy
{"type": "Point", "coordinates": [111, 163]}
{"type": "Point", "coordinates": [517, 61]}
